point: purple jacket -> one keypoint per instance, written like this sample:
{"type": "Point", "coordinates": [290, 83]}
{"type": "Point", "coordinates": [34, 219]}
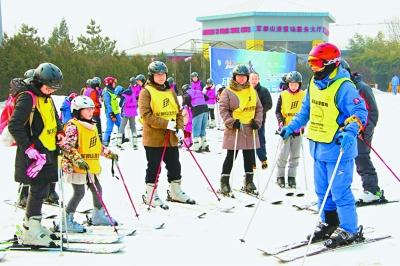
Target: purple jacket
{"type": "Point", "coordinates": [136, 90]}
{"type": "Point", "coordinates": [196, 85]}
{"type": "Point", "coordinates": [210, 93]}
{"type": "Point", "coordinates": [196, 97]}
{"type": "Point", "coordinates": [130, 105]}
{"type": "Point", "coordinates": [187, 119]}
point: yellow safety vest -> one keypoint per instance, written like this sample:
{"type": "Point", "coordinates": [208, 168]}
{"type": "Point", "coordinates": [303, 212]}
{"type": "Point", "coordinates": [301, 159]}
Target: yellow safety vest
{"type": "Point", "coordinates": [291, 104]}
{"type": "Point", "coordinates": [247, 104]}
{"type": "Point", "coordinates": [47, 112]}
{"type": "Point", "coordinates": [163, 103]}
{"type": "Point", "coordinates": [114, 102]}
{"type": "Point", "coordinates": [89, 147]}
{"type": "Point", "coordinates": [323, 112]}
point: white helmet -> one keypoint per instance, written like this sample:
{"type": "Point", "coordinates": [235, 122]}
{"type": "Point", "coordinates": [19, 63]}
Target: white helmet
{"type": "Point", "coordinates": [81, 102]}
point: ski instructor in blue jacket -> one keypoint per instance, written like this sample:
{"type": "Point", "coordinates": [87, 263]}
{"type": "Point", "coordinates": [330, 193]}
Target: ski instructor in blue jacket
{"type": "Point", "coordinates": [335, 113]}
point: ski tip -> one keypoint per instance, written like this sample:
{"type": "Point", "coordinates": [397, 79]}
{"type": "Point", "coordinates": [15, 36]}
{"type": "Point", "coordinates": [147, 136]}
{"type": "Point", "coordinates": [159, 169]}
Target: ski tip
{"type": "Point", "coordinates": [300, 194]}
{"type": "Point", "coordinates": [202, 215]}
{"type": "Point", "coordinates": [251, 205]}
{"type": "Point", "coordinates": [161, 226]}
{"type": "Point", "coordinates": [276, 202]}
{"type": "Point", "coordinates": [242, 240]}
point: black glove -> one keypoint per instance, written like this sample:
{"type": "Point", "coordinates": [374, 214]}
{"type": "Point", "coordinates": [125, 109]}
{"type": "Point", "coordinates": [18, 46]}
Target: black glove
{"type": "Point", "coordinates": [237, 124]}
{"type": "Point", "coordinates": [113, 117]}
{"type": "Point", "coordinates": [253, 124]}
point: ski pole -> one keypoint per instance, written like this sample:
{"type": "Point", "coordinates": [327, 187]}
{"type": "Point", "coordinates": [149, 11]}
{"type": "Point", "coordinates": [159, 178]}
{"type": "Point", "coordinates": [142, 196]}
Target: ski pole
{"type": "Point", "coordinates": [201, 170]}
{"type": "Point", "coordinates": [379, 156]}
{"type": "Point", "coordinates": [126, 189]}
{"type": "Point", "coordinates": [159, 167]}
{"type": "Point", "coordinates": [234, 152]}
{"type": "Point", "coordinates": [321, 209]}
{"type": "Point", "coordinates": [63, 217]}
{"type": "Point", "coordinates": [255, 157]}
{"type": "Point", "coordinates": [20, 189]}
{"type": "Point", "coordinates": [304, 161]}
{"type": "Point", "coordinates": [262, 194]}
{"type": "Point", "coordinates": [92, 181]}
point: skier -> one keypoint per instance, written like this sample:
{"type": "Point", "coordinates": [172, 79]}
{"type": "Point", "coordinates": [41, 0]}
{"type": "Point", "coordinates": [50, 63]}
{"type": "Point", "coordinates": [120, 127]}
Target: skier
{"type": "Point", "coordinates": [159, 109]}
{"type": "Point", "coordinates": [337, 113]}
{"type": "Point", "coordinates": [111, 108]}
{"type": "Point", "coordinates": [365, 168]}
{"type": "Point", "coordinates": [65, 108]}
{"type": "Point", "coordinates": [81, 157]}
{"type": "Point", "coordinates": [209, 91]}
{"type": "Point", "coordinates": [289, 104]}
{"type": "Point", "coordinates": [36, 156]}
{"type": "Point", "coordinates": [94, 93]}
{"type": "Point", "coordinates": [172, 84]}
{"type": "Point", "coordinates": [140, 82]}
{"type": "Point", "coordinates": [196, 99]}
{"type": "Point", "coordinates": [187, 120]}
{"type": "Point", "coordinates": [266, 101]}
{"type": "Point", "coordinates": [241, 111]}
{"type": "Point", "coordinates": [128, 104]}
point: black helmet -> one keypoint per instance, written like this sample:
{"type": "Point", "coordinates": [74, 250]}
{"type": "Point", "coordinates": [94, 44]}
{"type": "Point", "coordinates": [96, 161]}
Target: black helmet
{"type": "Point", "coordinates": [157, 67]}
{"type": "Point", "coordinates": [293, 77]}
{"type": "Point", "coordinates": [98, 79]}
{"type": "Point", "coordinates": [241, 70]}
{"type": "Point", "coordinates": [345, 65]}
{"type": "Point", "coordinates": [141, 77]}
{"type": "Point", "coordinates": [185, 87]}
{"type": "Point", "coordinates": [210, 81]}
{"type": "Point", "coordinates": [49, 74]}
{"type": "Point", "coordinates": [194, 74]}
{"type": "Point", "coordinates": [284, 77]}
{"type": "Point", "coordinates": [94, 83]}
{"type": "Point", "coordinates": [132, 81]}
{"type": "Point", "coordinates": [29, 73]}
{"type": "Point", "coordinates": [170, 80]}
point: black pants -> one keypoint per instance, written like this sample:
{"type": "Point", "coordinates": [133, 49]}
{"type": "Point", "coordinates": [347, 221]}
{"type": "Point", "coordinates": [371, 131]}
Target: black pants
{"type": "Point", "coordinates": [171, 160]}
{"type": "Point", "coordinates": [79, 192]}
{"type": "Point", "coordinates": [98, 125]}
{"type": "Point", "coordinates": [37, 193]}
{"type": "Point", "coordinates": [248, 158]}
{"type": "Point", "coordinates": [211, 113]}
{"type": "Point", "coordinates": [364, 166]}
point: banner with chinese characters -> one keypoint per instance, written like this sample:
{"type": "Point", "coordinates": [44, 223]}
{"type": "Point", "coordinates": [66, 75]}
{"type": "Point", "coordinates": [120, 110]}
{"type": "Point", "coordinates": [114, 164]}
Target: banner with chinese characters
{"type": "Point", "coordinates": [267, 28]}
{"type": "Point", "coordinates": [269, 65]}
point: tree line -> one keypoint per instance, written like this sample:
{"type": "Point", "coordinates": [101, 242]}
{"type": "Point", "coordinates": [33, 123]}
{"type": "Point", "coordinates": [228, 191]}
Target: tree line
{"type": "Point", "coordinates": [92, 54]}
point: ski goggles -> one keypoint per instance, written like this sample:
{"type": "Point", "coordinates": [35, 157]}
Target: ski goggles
{"type": "Point", "coordinates": [320, 63]}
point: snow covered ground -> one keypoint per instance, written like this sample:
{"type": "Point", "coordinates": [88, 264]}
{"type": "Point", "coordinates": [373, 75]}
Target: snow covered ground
{"type": "Point", "coordinates": [214, 240]}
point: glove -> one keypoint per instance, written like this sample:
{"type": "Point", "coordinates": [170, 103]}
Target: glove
{"type": "Point", "coordinates": [180, 135]}
{"type": "Point", "coordinates": [114, 156]}
{"type": "Point", "coordinates": [171, 125]}
{"type": "Point", "coordinates": [82, 165]}
{"type": "Point", "coordinates": [113, 117]}
{"type": "Point", "coordinates": [253, 124]}
{"type": "Point", "coordinates": [34, 168]}
{"type": "Point", "coordinates": [32, 153]}
{"type": "Point", "coordinates": [286, 132]}
{"type": "Point", "coordinates": [237, 124]}
{"type": "Point", "coordinates": [345, 140]}
{"type": "Point", "coordinates": [280, 125]}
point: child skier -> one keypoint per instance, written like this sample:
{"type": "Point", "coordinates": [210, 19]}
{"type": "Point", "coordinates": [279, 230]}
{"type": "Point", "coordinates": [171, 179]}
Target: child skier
{"type": "Point", "coordinates": [81, 157]}
{"type": "Point", "coordinates": [289, 104]}
{"type": "Point", "coordinates": [209, 91]}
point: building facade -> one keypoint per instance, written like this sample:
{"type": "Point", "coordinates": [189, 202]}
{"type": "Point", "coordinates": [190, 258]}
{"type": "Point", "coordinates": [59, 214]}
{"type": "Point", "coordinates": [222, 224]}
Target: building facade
{"type": "Point", "coordinates": [294, 32]}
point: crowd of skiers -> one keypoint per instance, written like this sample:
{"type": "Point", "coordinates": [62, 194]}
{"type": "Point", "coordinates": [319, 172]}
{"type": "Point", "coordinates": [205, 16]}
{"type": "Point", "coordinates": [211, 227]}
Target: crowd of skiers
{"type": "Point", "coordinates": [338, 107]}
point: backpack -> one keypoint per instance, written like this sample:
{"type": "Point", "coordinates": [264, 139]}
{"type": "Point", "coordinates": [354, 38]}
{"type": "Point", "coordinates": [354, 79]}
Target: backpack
{"type": "Point", "coordinates": [17, 87]}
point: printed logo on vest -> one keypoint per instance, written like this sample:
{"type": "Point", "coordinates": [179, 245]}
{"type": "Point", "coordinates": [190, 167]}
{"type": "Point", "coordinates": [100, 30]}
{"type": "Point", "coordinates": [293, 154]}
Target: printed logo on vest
{"type": "Point", "coordinates": [294, 104]}
{"type": "Point", "coordinates": [165, 102]}
{"type": "Point", "coordinates": [93, 141]}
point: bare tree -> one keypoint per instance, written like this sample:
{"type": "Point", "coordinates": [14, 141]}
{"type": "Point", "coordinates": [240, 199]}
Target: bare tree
{"type": "Point", "coordinates": [394, 28]}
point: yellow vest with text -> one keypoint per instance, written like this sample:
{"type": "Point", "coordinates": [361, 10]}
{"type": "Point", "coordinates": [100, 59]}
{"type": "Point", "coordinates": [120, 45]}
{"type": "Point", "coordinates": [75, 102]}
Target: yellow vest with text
{"type": "Point", "coordinates": [163, 103]}
{"type": "Point", "coordinates": [291, 104]}
{"type": "Point", "coordinates": [89, 147]}
{"type": "Point", "coordinates": [247, 104]}
{"type": "Point", "coordinates": [114, 103]}
{"type": "Point", "coordinates": [323, 123]}
{"type": "Point", "coordinates": [46, 109]}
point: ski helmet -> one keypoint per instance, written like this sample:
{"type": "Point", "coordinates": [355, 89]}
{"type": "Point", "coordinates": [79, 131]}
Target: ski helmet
{"type": "Point", "coordinates": [132, 81]}
{"type": "Point", "coordinates": [294, 77]}
{"type": "Point", "coordinates": [209, 82]}
{"type": "Point", "coordinates": [170, 80]}
{"type": "Point", "coordinates": [94, 83]}
{"type": "Point", "coordinates": [81, 102]}
{"type": "Point", "coordinates": [194, 74]}
{"type": "Point", "coordinates": [324, 54]}
{"type": "Point", "coordinates": [241, 70]}
{"type": "Point", "coordinates": [109, 80]}
{"type": "Point", "coordinates": [49, 75]}
{"type": "Point", "coordinates": [157, 67]}
{"type": "Point", "coordinates": [29, 73]}
{"type": "Point", "coordinates": [345, 65]}
{"type": "Point", "coordinates": [141, 77]}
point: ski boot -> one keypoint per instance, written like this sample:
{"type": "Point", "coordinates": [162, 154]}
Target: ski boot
{"type": "Point", "coordinates": [341, 238]}
{"type": "Point", "coordinates": [325, 230]}
{"type": "Point", "coordinates": [135, 145]}
{"type": "Point", "coordinates": [119, 140]}
{"type": "Point", "coordinates": [156, 201]}
{"type": "Point", "coordinates": [197, 145]}
{"type": "Point", "coordinates": [177, 193]}
{"type": "Point", "coordinates": [124, 139]}
{"type": "Point", "coordinates": [264, 164]}
{"type": "Point", "coordinates": [225, 187]}
{"type": "Point", "coordinates": [212, 124]}
{"type": "Point", "coordinates": [99, 217]}
{"type": "Point", "coordinates": [291, 182]}
{"type": "Point", "coordinates": [249, 186]}
{"type": "Point", "coordinates": [34, 234]}
{"type": "Point", "coordinates": [368, 197]}
{"type": "Point", "coordinates": [280, 180]}
{"type": "Point", "coordinates": [204, 145]}
{"type": "Point", "coordinates": [72, 226]}
{"type": "Point", "coordinates": [53, 197]}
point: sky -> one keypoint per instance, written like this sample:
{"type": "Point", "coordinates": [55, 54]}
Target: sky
{"type": "Point", "coordinates": [135, 23]}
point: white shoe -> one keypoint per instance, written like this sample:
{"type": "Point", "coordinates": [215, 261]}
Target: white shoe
{"type": "Point", "coordinates": [368, 197]}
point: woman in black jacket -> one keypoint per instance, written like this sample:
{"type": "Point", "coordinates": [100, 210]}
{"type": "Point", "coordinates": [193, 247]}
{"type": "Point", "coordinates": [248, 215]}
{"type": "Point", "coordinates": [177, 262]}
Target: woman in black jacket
{"type": "Point", "coordinates": [36, 136]}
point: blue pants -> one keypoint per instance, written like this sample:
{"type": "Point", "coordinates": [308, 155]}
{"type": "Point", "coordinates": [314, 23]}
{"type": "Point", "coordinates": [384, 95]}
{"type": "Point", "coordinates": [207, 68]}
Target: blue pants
{"type": "Point", "coordinates": [262, 151]}
{"type": "Point", "coordinates": [199, 125]}
{"type": "Point", "coordinates": [109, 128]}
{"type": "Point", "coordinates": [340, 198]}
{"type": "Point", "coordinates": [394, 90]}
